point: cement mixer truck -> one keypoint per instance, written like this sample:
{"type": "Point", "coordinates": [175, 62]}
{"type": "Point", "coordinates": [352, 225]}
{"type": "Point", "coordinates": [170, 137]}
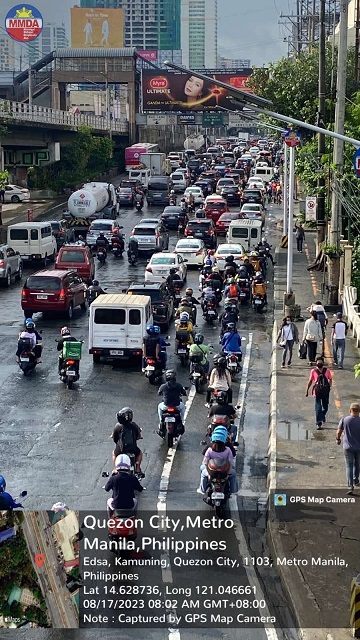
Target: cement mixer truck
{"type": "Point", "coordinates": [93, 200]}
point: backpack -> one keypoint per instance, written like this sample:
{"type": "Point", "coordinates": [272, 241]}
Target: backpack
{"type": "Point", "coordinates": [127, 440]}
{"type": "Point", "coordinates": [321, 318]}
{"type": "Point", "coordinates": [233, 291]}
{"type": "Point", "coordinates": [322, 385]}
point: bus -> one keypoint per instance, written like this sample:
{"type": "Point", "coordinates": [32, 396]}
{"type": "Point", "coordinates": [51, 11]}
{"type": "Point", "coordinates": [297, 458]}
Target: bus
{"type": "Point", "coordinates": [133, 153]}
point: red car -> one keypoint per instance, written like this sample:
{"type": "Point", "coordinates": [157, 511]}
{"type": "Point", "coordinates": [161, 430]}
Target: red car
{"type": "Point", "coordinates": [215, 206]}
{"type": "Point", "coordinates": [222, 225]}
{"type": "Point", "coordinates": [53, 290]}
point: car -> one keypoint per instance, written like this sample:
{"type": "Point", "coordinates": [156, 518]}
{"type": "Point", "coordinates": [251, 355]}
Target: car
{"type": "Point", "coordinates": [100, 225]}
{"type": "Point", "coordinates": [172, 215]}
{"type": "Point", "coordinates": [193, 249]}
{"type": "Point", "coordinates": [77, 258]}
{"type": "Point", "coordinates": [158, 268]}
{"type": "Point", "coordinates": [53, 290]}
{"type": "Point", "coordinates": [253, 151]}
{"type": "Point", "coordinates": [221, 169]}
{"type": "Point", "coordinates": [162, 302]}
{"type": "Point", "coordinates": [11, 265]}
{"type": "Point", "coordinates": [215, 206]}
{"type": "Point", "coordinates": [131, 183]}
{"type": "Point", "coordinates": [205, 186]}
{"type": "Point", "coordinates": [211, 176]}
{"type": "Point", "coordinates": [222, 225]}
{"type": "Point", "coordinates": [14, 193]}
{"type": "Point", "coordinates": [149, 221]}
{"type": "Point", "coordinates": [255, 183]}
{"type": "Point", "coordinates": [197, 193]}
{"type": "Point", "coordinates": [231, 194]}
{"type": "Point", "coordinates": [125, 196]}
{"type": "Point", "coordinates": [151, 236]}
{"type": "Point", "coordinates": [224, 182]}
{"type": "Point", "coordinates": [224, 250]}
{"type": "Point", "coordinates": [253, 211]}
{"type": "Point", "coordinates": [203, 230]}
{"type": "Point", "coordinates": [234, 176]}
{"type": "Point", "coordinates": [252, 195]}
{"type": "Point", "coordinates": [178, 182]}
{"type": "Point", "coordinates": [174, 162]}
{"type": "Point", "coordinates": [62, 232]}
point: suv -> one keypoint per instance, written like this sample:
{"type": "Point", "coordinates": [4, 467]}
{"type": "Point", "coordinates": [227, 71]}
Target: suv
{"type": "Point", "coordinates": [162, 302]}
{"type": "Point", "coordinates": [51, 290]}
{"type": "Point", "coordinates": [252, 195]}
{"type": "Point", "coordinates": [204, 230]}
{"type": "Point", "coordinates": [215, 206]}
{"type": "Point", "coordinates": [62, 233]}
{"type": "Point", "coordinates": [151, 236]}
{"type": "Point", "coordinates": [10, 264]}
{"type": "Point", "coordinates": [126, 196]}
{"type": "Point", "coordinates": [107, 226]}
{"type": "Point", "coordinates": [172, 216]}
{"type": "Point", "coordinates": [178, 182]}
{"type": "Point", "coordinates": [77, 258]}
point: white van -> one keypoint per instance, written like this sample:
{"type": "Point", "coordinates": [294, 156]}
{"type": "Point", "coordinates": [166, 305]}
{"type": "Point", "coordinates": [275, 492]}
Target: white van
{"type": "Point", "coordinates": [264, 173]}
{"type": "Point", "coordinates": [141, 174]}
{"type": "Point", "coordinates": [34, 241]}
{"type": "Point", "coordinates": [245, 232]}
{"type": "Point", "coordinates": [117, 325]}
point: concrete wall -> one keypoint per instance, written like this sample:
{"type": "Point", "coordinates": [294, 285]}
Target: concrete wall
{"type": "Point", "coordinates": [169, 138]}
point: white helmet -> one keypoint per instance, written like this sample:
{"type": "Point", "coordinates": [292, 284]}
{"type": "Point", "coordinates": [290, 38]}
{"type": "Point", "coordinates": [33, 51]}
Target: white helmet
{"type": "Point", "coordinates": [258, 273]}
{"type": "Point", "coordinates": [123, 462]}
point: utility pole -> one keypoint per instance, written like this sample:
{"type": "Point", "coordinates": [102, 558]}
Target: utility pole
{"type": "Point", "coordinates": [357, 42]}
{"type": "Point", "coordinates": [30, 85]}
{"type": "Point", "coordinates": [289, 269]}
{"type": "Point", "coordinates": [320, 209]}
{"type": "Point", "coordinates": [285, 190]}
{"type": "Point", "coordinates": [338, 153]}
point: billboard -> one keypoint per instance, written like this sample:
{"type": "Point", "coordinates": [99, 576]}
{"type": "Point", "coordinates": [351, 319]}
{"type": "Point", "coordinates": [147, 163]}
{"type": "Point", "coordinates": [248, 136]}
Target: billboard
{"type": "Point", "coordinates": [148, 55]}
{"type": "Point", "coordinates": [24, 24]}
{"type": "Point", "coordinates": [174, 91]}
{"type": "Point", "coordinates": [95, 28]}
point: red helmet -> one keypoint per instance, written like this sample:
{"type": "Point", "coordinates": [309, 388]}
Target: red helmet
{"type": "Point", "coordinates": [211, 252]}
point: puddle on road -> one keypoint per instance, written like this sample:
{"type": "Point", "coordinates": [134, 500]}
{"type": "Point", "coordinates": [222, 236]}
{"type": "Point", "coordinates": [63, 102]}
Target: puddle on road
{"type": "Point", "coordinates": [293, 431]}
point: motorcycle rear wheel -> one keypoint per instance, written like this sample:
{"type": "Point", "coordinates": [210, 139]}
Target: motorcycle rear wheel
{"type": "Point", "coordinates": [170, 440]}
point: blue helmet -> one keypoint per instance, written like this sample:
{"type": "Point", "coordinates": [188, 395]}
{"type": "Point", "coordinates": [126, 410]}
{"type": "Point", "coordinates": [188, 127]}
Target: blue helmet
{"type": "Point", "coordinates": [150, 329]}
{"type": "Point", "coordinates": [156, 329]}
{"type": "Point", "coordinates": [2, 484]}
{"type": "Point", "coordinates": [29, 323]}
{"type": "Point", "coordinates": [219, 434]}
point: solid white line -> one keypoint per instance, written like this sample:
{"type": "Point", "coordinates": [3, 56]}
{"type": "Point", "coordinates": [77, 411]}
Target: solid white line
{"type": "Point", "coordinates": [273, 415]}
{"type": "Point", "coordinates": [243, 384]}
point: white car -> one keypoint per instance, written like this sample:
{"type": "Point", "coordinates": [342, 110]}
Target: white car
{"type": "Point", "coordinates": [193, 250]}
{"type": "Point", "coordinates": [225, 250]}
{"type": "Point", "coordinates": [13, 193]}
{"type": "Point", "coordinates": [179, 182]}
{"type": "Point", "coordinates": [197, 193]}
{"type": "Point", "coordinates": [258, 181]}
{"type": "Point", "coordinates": [224, 182]}
{"type": "Point", "coordinates": [254, 151]}
{"type": "Point", "coordinates": [158, 268]}
{"type": "Point", "coordinates": [253, 211]}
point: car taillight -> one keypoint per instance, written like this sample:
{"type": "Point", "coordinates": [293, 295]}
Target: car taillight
{"type": "Point", "coordinates": [2, 263]}
{"type": "Point", "coordinates": [211, 232]}
{"type": "Point", "coordinates": [62, 294]}
{"type": "Point", "coordinates": [233, 358]}
{"type": "Point", "coordinates": [24, 293]}
{"type": "Point", "coordinates": [149, 269]}
{"type": "Point", "coordinates": [70, 361]}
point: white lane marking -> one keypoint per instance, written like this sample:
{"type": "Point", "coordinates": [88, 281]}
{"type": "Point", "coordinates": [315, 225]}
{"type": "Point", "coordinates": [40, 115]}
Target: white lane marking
{"type": "Point", "coordinates": [273, 415]}
{"type": "Point", "coordinates": [244, 551]}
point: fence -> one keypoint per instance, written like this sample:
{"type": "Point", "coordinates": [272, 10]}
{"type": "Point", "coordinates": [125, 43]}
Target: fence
{"type": "Point", "coordinates": [351, 311]}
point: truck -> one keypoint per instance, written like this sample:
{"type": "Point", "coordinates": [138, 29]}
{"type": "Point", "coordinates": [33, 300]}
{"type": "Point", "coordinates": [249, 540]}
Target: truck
{"type": "Point", "coordinates": [243, 137]}
{"type": "Point", "coordinates": [156, 162]}
{"type": "Point", "coordinates": [94, 200]}
{"type": "Point", "coordinates": [133, 153]}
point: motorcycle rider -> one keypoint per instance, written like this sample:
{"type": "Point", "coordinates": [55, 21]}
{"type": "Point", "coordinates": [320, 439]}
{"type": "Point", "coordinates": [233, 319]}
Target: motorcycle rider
{"type": "Point", "coordinates": [125, 435]}
{"type": "Point", "coordinates": [139, 199]}
{"type": "Point", "coordinates": [231, 341]}
{"type": "Point", "coordinates": [102, 243]}
{"type": "Point", "coordinates": [201, 349]}
{"type": "Point", "coordinates": [133, 248]}
{"type": "Point", "coordinates": [80, 241]}
{"type": "Point", "coordinates": [200, 213]}
{"type": "Point", "coordinates": [232, 289]}
{"type": "Point", "coordinates": [65, 337]}
{"type": "Point", "coordinates": [258, 286]}
{"type": "Point", "coordinates": [211, 257]}
{"type": "Point", "coordinates": [249, 267]}
{"type": "Point", "coordinates": [220, 380]}
{"type": "Point", "coordinates": [151, 345]}
{"type": "Point", "coordinates": [193, 301]}
{"type": "Point", "coordinates": [171, 392]}
{"type": "Point", "coordinates": [230, 316]}
{"type": "Point", "coordinates": [172, 278]}
{"type": "Point", "coordinates": [94, 291]}
{"type": "Point", "coordinates": [186, 306]}
{"type": "Point", "coordinates": [117, 240]}
{"type": "Point", "coordinates": [184, 331]}
{"type": "Point", "coordinates": [218, 449]}
{"type": "Point", "coordinates": [163, 345]}
{"type": "Point", "coordinates": [172, 199]}
{"type": "Point", "coordinates": [267, 248]}
{"type": "Point", "coordinates": [27, 334]}
{"type": "Point", "coordinates": [230, 270]}
{"type": "Point", "coordinates": [6, 500]}
{"type": "Point", "coordinates": [222, 407]}
{"type": "Point", "coordinates": [123, 484]}
{"type": "Point", "coordinates": [208, 295]}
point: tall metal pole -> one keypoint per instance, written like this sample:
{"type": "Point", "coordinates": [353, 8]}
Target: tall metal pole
{"type": "Point", "coordinates": [285, 190]}
{"type": "Point", "coordinates": [320, 209]}
{"type": "Point", "coordinates": [289, 269]}
{"type": "Point", "coordinates": [30, 85]}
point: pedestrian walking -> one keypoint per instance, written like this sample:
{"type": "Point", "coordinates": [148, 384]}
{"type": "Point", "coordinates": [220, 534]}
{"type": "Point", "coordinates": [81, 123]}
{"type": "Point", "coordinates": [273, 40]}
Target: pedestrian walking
{"type": "Point", "coordinates": [300, 236]}
{"type": "Point", "coordinates": [350, 428]}
{"type": "Point", "coordinates": [2, 195]}
{"type": "Point", "coordinates": [338, 336]}
{"type": "Point", "coordinates": [288, 334]}
{"type": "Point", "coordinates": [322, 318]}
{"type": "Point", "coordinates": [312, 335]}
{"type": "Point", "coordinates": [321, 379]}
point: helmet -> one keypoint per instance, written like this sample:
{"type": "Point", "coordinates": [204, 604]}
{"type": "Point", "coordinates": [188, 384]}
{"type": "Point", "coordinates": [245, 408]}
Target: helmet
{"type": "Point", "coordinates": [29, 324]}
{"type": "Point", "coordinates": [211, 252]}
{"type": "Point", "coordinates": [216, 358]}
{"type": "Point", "coordinates": [172, 271]}
{"type": "Point", "coordinates": [156, 329]}
{"type": "Point", "coordinates": [150, 329]}
{"type": "Point", "coordinates": [95, 283]}
{"type": "Point", "coordinates": [2, 484]}
{"type": "Point", "coordinates": [221, 362]}
{"type": "Point", "coordinates": [184, 300]}
{"type": "Point", "coordinates": [81, 237]}
{"type": "Point", "coordinates": [221, 397]}
{"type": "Point", "coordinates": [65, 331]}
{"type": "Point", "coordinates": [189, 291]}
{"type": "Point", "coordinates": [101, 234]}
{"type": "Point", "coordinates": [184, 317]}
{"type": "Point", "coordinates": [123, 462]}
{"type": "Point", "coordinates": [219, 434]}
{"type": "Point", "coordinates": [172, 192]}
{"type": "Point", "coordinates": [231, 326]}
{"type": "Point", "coordinates": [125, 415]}
{"type": "Point", "coordinates": [170, 374]}
{"type": "Point", "coordinates": [232, 281]}
{"type": "Point", "coordinates": [199, 338]}
{"type": "Point", "coordinates": [215, 269]}
{"type": "Point", "coordinates": [263, 239]}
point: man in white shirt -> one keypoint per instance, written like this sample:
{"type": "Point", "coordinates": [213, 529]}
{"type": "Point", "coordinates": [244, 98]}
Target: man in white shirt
{"type": "Point", "coordinates": [338, 335]}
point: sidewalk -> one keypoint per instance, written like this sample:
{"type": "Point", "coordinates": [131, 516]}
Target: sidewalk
{"type": "Point", "coordinates": [304, 461]}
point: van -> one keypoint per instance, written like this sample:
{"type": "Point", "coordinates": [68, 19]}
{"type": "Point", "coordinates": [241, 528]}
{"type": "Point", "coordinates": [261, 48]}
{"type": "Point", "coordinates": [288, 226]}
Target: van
{"type": "Point", "coordinates": [245, 232]}
{"type": "Point", "coordinates": [117, 325]}
{"type": "Point", "coordinates": [143, 175]}
{"type": "Point", "coordinates": [77, 258]}
{"type": "Point", "coordinates": [158, 190]}
{"type": "Point", "coordinates": [264, 173]}
{"type": "Point", "coordinates": [34, 241]}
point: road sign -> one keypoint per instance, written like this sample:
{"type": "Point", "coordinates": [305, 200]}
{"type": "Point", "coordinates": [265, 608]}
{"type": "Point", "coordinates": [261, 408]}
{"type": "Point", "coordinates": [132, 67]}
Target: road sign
{"type": "Point", "coordinates": [160, 119]}
{"type": "Point", "coordinates": [357, 162]}
{"type": "Point", "coordinates": [171, 118]}
{"type": "Point", "coordinates": [310, 208]}
{"type": "Point", "coordinates": [186, 118]}
{"type": "Point", "coordinates": [212, 120]}
{"type": "Point", "coordinates": [292, 138]}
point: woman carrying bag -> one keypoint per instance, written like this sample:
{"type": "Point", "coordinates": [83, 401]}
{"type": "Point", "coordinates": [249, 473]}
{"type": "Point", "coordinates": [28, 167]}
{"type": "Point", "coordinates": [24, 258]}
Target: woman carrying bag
{"type": "Point", "coordinates": [288, 334]}
{"type": "Point", "coordinates": [312, 335]}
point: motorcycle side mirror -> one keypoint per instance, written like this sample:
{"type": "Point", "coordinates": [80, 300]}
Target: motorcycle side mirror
{"type": "Point", "coordinates": [105, 474]}
{"type": "Point", "coordinates": [23, 494]}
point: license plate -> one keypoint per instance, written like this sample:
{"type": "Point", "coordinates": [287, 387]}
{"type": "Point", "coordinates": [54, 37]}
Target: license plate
{"type": "Point", "coordinates": [196, 375]}
{"type": "Point", "coordinates": [168, 419]}
{"type": "Point", "coordinates": [258, 301]}
{"type": "Point", "coordinates": [116, 352]}
{"type": "Point", "coordinates": [181, 351]}
{"type": "Point", "coordinates": [24, 359]}
{"type": "Point", "coordinates": [71, 373]}
{"type": "Point", "coordinates": [242, 295]}
{"type": "Point", "coordinates": [232, 365]}
{"type": "Point", "coordinates": [145, 240]}
{"type": "Point", "coordinates": [211, 313]}
{"type": "Point", "coordinates": [157, 195]}
{"type": "Point", "coordinates": [161, 271]}
{"type": "Point", "coordinates": [149, 368]}
{"type": "Point", "coordinates": [217, 496]}
{"type": "Point", "coordinates": [42, 297]}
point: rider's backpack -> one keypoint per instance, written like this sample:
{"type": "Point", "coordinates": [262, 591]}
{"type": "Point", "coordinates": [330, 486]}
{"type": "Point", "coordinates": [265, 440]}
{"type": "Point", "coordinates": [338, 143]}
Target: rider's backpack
{"type": "Point", "coordinates": [233, 291]}
{"type": "Point", "coordinates": [322, 385]}
{"type": "Point", "coordinates": [127, 440]}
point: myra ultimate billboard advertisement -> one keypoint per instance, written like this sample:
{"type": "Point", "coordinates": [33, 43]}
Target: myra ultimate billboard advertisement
{"type": "Point", "coordinates": [174, 91]}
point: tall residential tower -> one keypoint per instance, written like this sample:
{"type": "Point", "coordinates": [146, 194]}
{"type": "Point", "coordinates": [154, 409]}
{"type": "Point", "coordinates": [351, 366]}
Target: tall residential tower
{"type": "Point", "coordinates": [199, 34]}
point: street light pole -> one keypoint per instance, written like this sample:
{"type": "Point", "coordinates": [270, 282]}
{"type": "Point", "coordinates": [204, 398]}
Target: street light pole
{"type": "Point", "coordinates": [285, 190]}
{"type": "Point", "coordinates": [290, 251]}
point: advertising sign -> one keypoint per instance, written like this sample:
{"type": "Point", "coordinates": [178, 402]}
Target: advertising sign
{"type": "Point", "coordinates": [23, 23]}
{"type": "Point", "coordinates": [95, 28]}
{"type": "Point", "coordinates": [186, 118]}
{"type": "Point", "coordinates": [356, 162]}
{"type": "Point", "coordinates": [148, 55]}
{"type": "Point", "coordinates": [292, 138]}
{"type": "Point", "coordinates": [173, 91]}
{"type": "Point", "coordinates": [310, 208]}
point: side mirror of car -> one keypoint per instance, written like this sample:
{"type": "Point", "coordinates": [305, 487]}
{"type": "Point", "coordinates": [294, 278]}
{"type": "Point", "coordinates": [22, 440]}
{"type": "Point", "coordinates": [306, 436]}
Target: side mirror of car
{"type": "Point", "coordinates": [17, 253]}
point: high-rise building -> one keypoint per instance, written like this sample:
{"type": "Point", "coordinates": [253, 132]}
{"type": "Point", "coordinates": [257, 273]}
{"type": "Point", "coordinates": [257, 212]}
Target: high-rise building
{"type": "Point", "coordinates": [232, 63]}
{"type": "Point", "coordinates": [199, 33]}
{"type": "Point", "coordinates": [7, 53]}
{"type": "Point", "coordinates": [169, 24]}
{"type": "Point", "coordinates": [141, 24]}
{"type": "Point", "coordinates": [53, 36]}
{"type": "Point", "coordinates": [101, 4]}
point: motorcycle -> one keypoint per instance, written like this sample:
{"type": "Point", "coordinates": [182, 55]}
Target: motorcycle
{"type": "Point", "coordinates": [244, 286]}
{"type": "Point", "coordinates": [122, 526]}
{"type": "Point", "coordinates": [172, 201]}
{"type": "Point", "coordinates": [233, 363]}
{"type": "Point", "coordinates": [101, 254]}
{"type": "Point", "coordinates": [92, 294]}
{"type": "Point", "coordinates": [171, 426]}
{"type": "Point", "coordinates": [218, 490]}
{"type": "Point", "coordinates": [27, 360]}
{"type": "Point", "coordinates": [71, 356]}
{"type": "Point", "coordinates": [139, 205]}
{"type": "Point", "coordinates": [183, 352]}
{"type": "Point", "coordinates": [132, 257]}
{"type": "Point", "coordinates": [197, 373]}
{"type": "Point", "coordinates": [117, 250]}
{"type": "Point", "coordinates": [177, 294]}
{"type": "Point", "coordinates": [259, 302]}
{"type": "Point", "coordinates": [181, 228]}
{"type": "Point", "coordinates": [153, 370]}
{"type": "Point", "coordinates": [210, 313]}
{"type": "Point", "coordinates": [222, 421]}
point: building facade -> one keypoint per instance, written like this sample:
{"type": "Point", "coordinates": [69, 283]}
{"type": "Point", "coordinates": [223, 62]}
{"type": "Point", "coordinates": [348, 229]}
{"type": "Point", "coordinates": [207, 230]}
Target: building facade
{"type": "Point", "coordinates": [231, 63]}
{"type": "Point", "coordinates": [53, 36]}
{"type": "Point", "coordinates": [199, 34]}
{"type": "Point", "coordinates": [8, 60]}
{"type": "Point", "coordinates": [101, 4]}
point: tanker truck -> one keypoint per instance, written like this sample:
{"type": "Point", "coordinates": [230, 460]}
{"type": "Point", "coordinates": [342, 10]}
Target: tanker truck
{"type": "Point", "coordinates": [94, 200]}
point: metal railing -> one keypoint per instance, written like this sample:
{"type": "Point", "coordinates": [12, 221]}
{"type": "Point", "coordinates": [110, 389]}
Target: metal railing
{"type": "Point", "coordinates": [22, 112]}
{"type": "Point", "coordinates": [351, 311]}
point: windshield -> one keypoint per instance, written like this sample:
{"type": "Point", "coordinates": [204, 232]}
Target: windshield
{"type": "Point", "coordinates": [101, 227]}
{"type": "Point", "coordinates": [72, 256]}
{"type": "Point", "coordinates": [55, 226]}
{"type": "Point", "coordinates": [216, 205]}
{"type": "Point", "coordinates": [185, 244]}
{"type": "Point", "coordinates": [158, 186]}
{"type": "Point", "coordinates": [42, 282]}
{"type": "Point", "coordinates": [154, 294]}
{"type": "Point", "coordinates": [177, 176]}
{"type": "Point", "coordinates": [199, 225]}
{"type": "Point", "coordinates": [144, 231]}
{"type": "Point", "coordinates": [235, 248]}
{"type": "Point", "coordinates": [163, 260]}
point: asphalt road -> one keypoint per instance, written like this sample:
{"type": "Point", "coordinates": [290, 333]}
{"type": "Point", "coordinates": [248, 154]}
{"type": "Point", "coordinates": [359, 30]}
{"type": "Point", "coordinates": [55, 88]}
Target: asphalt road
{"type": "Point", "coordinates": [55, 443]}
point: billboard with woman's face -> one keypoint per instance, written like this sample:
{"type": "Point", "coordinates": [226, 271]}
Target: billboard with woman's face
{"type": "Point", "coordinates": [175, 91]}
